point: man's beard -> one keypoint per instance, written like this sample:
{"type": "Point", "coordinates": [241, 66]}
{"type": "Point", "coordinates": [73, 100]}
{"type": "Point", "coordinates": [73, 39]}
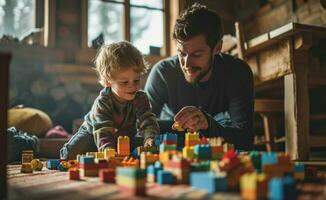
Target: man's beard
{"type": "Point", "coordinates": [201, 75]}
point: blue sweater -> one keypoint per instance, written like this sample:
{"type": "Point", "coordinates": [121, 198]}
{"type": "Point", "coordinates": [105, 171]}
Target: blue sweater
{"type": "Point", "coordinates": [226, 99]}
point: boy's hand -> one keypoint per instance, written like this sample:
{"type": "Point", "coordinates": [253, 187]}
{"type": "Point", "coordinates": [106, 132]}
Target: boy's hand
{"type": "Point", "coordinates": [149, 142]}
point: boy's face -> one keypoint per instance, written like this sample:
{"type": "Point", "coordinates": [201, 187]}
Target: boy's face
{"type": "Point", "coordinates": [196, 58]}
{"type": "Point", "coordinates": [125, 83]}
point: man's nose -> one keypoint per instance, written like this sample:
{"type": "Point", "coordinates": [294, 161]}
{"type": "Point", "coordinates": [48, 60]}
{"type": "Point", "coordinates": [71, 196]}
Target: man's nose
{"type": "Point", "coordinates": [186, 61]}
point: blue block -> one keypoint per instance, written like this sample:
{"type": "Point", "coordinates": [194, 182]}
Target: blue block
{"type": "Point", "coordinates": [151, 169]}
{"type": "Point", "coordinates": [87, 159]}
{"type": "Point", "coordinates": [164, 177]}
{"type": "Point", "coordinates": [131, 172]}
{"type": "Point", "coordinates": [53, 164]}
{"type": "Point", "coordinates": [158, 164]}
{"type": "Point", "coordinates": [203, 151]}
{"type": "Point", "coordinates": [289, 186]}
{"type": "Point", "coordinates": [268, 158]}
{"type": "Point", "coordinates": [275, 189]}
{"type": "Point", "coordinates": [170, 136]}
{"type": "Point", "coordinates": [299, 167]}
{"type": "Point", "coordinates": [208, 181]}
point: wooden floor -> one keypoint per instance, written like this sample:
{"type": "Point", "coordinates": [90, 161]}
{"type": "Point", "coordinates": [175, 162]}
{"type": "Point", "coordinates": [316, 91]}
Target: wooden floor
{"type": "Point", "coordinates": [52, 184]}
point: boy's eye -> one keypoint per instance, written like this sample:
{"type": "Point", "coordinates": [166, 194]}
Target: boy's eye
{"type": "Point", "coordinates": [124, 82]}
{"type": "Point", "coordinates": [137, 81]}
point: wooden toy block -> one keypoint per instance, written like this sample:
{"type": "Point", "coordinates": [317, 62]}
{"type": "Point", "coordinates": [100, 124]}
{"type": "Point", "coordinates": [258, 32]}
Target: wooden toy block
{"type": "Point", "coordinates": [229, 161]}
{"type": "Point", "coordinates": [283, 158]}
{"type": "Point", "coordinates": [228, 147]}
{"type": "Point", "coordinates": [279, 170]}
{"type": "Point", "coordinates": [52, 164]}
{"type": "Point", "coordinates": [123, 145]}
{"type": "Point", "coordinates": [107, 175]}
{"type": "Point", "coordinates": [208, 181]}
{"type": "Point", "coordinates": [27, 156]}
{"type": "Point", "coordinates": [164, 177]}
{"type": "Point", "coordinates": [262, 183]}
{"type": "Point", "coordinates": [217, 152]}
{"type": "Point", "coordinates": [109, 153]}
{"type": "Point", "coordinates": [268, 158]}
{"type": "Point", "coordinates": [166, 147]}
{"type": "Point", "coordinates": [37, 165]}
{"type": "Point", "coordinates": [102, 163]}
{"type": "Point", "coordinates": [26, 168]}
{"type": "Point", "coordinates": [131, 180]}
{"type": "Point", "coordinates": [74, 174]}
{"type": "Point", "coordinates": [188, 152]}
{"type": "Point", "coordinates": [275, 189]}
{"type": "Point", "coordinates": [256, 160]}
{"type": "Point", "coordinates": [202, 151]}
{"type": "Point", "coordinates": [99, 155]}
{"type": "Point", "coordinates": [130, 162]}
{"type": "Point", "coordinates": [248, 185]}
{"type": "Point", "coordinates": [147, 158]}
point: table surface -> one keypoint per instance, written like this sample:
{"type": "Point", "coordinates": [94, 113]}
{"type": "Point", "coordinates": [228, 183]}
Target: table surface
{"type": "Point", "coordinates": [53, 184]}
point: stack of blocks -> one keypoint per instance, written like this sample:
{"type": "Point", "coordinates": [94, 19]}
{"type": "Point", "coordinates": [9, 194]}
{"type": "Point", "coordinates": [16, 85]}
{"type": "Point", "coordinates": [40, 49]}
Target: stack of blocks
{"type": "Point", "coordinates": [147, 158]}
{"type": "Point", "coordinates": [168, 142]}
{"type": "Point", "coordinates": [180, 168]}
{"type": "Point", "coordinates": [203, 151]}
{"type": "Point", "coordinates": [52, 164]}
{"type": "Point", "coordinates": [123, 146]}
{"type": "Point", "coordinates": [87, 166]}
{"type": "Point", "coordinates": [27, 157]}
{"type": "Point", "coordinates": [131, 180]}
{"type": "Point", "coordinates": [192, 139]}
{"type": "Point", "coordinates": [274, 164]}
{"type": "Point", "coordinates": [152, 171]}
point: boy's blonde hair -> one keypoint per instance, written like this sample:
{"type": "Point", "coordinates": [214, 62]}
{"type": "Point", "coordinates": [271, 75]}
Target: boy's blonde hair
{"type": "Point", "coordinates": [116, 56]}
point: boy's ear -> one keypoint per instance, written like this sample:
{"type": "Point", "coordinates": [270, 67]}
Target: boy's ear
{"type": "Point", "coordinates": [108, 84]}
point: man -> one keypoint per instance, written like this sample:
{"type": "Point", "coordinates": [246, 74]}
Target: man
{"type": "Point", "coordinates": [202, 88]}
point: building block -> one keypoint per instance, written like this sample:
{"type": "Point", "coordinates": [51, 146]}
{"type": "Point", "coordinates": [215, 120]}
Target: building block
{"type": "Point", "coordinates": [248, 185]}
{"type": "Point", "coordinates": [188, 152]}
{"type": "Point", "coordinates": [217, 152]}
{"type": "Point", "coordinates": [130, 162]}
{"type": "Point", "coordinates": [109, 153]}
{"type": "Point", "coordinates": [229, 161]}
{"type": "Point", "coordinates": [192, 139]}
{"type": "Point", "coordinates": [152, 149]}
{"type": "Point", "coordinates": [166, 147]}
{"type": "Point", "coordinates": [147, 158]}
{"type": "Point", "coordinates": [202, 151]}
{"type": "Point", "coordinates": [289, 187]}
{"type": "Point", "coordinates": [283, 158]}
{"type": "Point", "coordinates": [87, 159]}
{"type": "Point", "coordinates": [268, 158]}
{"type": "Point", "coordinates": [123, 145]}
{"type": "Point", "coordinates": [74, 174]}
{"type": "Point", "coordinates": [299, 171]}
{"type": "Point", "coordinates": [262, 186]}
{"type": "Point", "coordinates": [256, 160]}
{"type": "Point", "coordinates": [131, 180]}
{"type": "Point", "coordinates": [107, 175]}
{"type": "Point", "coordinates": [72, 163]}
{"type": "Point", "coordinates": [27, 156]}
{"type": "Point", "coordinates": [275, 189]}
{"type": "Point", "coordinates": [52, 164]}
{"type": "Point", "coordinates": [200, 166]}
{"type": "Point", "coordinates": [208, 181]}
{"type": "Point", "coordinates": [279, 170]}
{"type": "Point", "coordinates": [63, 166]}
{"type": "Point", "coordinates": [164, 177]}
{"type": "Point", "coordinates": [99, 155]}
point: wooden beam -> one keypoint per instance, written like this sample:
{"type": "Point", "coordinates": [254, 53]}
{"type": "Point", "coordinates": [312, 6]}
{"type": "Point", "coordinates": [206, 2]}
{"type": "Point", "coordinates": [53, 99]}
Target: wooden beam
{"type": "Point", "coordinates": [84, 24]}
{"type": "Point", "coordinates": [269, 105]}
{"type": "Point", "coordinates": [49, 23]}
{"type": "Point", "coordinates": [4, 88]}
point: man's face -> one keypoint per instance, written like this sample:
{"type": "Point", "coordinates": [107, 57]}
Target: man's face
{"type": "Point", "coordinates": [196, 59]}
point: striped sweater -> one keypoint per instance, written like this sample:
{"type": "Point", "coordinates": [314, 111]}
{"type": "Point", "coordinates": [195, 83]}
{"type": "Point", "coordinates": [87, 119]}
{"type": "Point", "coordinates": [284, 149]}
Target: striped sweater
{"type": "Point", "coordinates": [110, 118]}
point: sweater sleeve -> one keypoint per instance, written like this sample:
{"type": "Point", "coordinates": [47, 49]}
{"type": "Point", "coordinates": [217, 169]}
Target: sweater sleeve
{"type": "Point", "coordinates": [156, 89]}
{"type": "Point", "coordinates": [240, 109]}
{"type": "Point", "coordinates": [148, 125]}
{"type": "Point", "coordinates": [103, 129]}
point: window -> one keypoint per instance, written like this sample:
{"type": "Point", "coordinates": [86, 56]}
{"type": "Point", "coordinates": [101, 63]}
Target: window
{"type": "Point", "coordinates": [17, 17]}
{"type": "Point", "coordinates": [138, 21]}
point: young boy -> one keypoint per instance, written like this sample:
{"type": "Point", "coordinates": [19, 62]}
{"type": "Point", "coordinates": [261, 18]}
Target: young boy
{"type": "Point", "coordinates": [120, 109]}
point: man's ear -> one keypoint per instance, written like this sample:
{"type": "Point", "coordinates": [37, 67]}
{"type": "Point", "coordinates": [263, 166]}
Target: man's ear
{"type": "Point", "coordinates": [218, 47]}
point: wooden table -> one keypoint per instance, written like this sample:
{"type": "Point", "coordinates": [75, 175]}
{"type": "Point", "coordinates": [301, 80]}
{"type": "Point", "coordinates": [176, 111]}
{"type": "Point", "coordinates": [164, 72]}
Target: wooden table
{"type": "Point", "coordinates": [53, 184]}
{"type": "Point", "coordinates": [292, 51]}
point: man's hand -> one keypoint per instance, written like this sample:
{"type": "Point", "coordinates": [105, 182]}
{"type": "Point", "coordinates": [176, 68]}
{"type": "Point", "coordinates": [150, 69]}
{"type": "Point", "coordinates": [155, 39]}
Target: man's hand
{"type": "Point", "coordinates": [149, 142]}
{"type": "Point", "coordinates": [190, 118]}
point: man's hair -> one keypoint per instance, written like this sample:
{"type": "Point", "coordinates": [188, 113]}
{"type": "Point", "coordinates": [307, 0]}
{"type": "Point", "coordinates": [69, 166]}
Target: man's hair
{"type": "Point", "coordinates": [197, 20]}
{"type": "Point", "coordinates": [116, 56]}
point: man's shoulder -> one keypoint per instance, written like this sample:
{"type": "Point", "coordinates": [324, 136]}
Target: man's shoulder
{"type": "Point", "coordinates": [169, 63]}
{"type": "Point", "coordinates": [233, 64]}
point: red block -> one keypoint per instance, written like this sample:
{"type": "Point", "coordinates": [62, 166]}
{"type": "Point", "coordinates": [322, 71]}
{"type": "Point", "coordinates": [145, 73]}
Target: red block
{"type": "Point", "coordinates": [107, 175]}
{"type": "Point", "coordinates": [74, 174]}
{"type": "Point", "coordinates": [169, 142]}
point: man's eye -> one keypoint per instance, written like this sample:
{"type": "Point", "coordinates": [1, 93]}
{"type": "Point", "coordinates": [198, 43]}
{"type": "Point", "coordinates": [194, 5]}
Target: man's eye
{"type": "Point", "coordinates": [196, 55]}
{"type": "Point", "coordinates": [182, 54]}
